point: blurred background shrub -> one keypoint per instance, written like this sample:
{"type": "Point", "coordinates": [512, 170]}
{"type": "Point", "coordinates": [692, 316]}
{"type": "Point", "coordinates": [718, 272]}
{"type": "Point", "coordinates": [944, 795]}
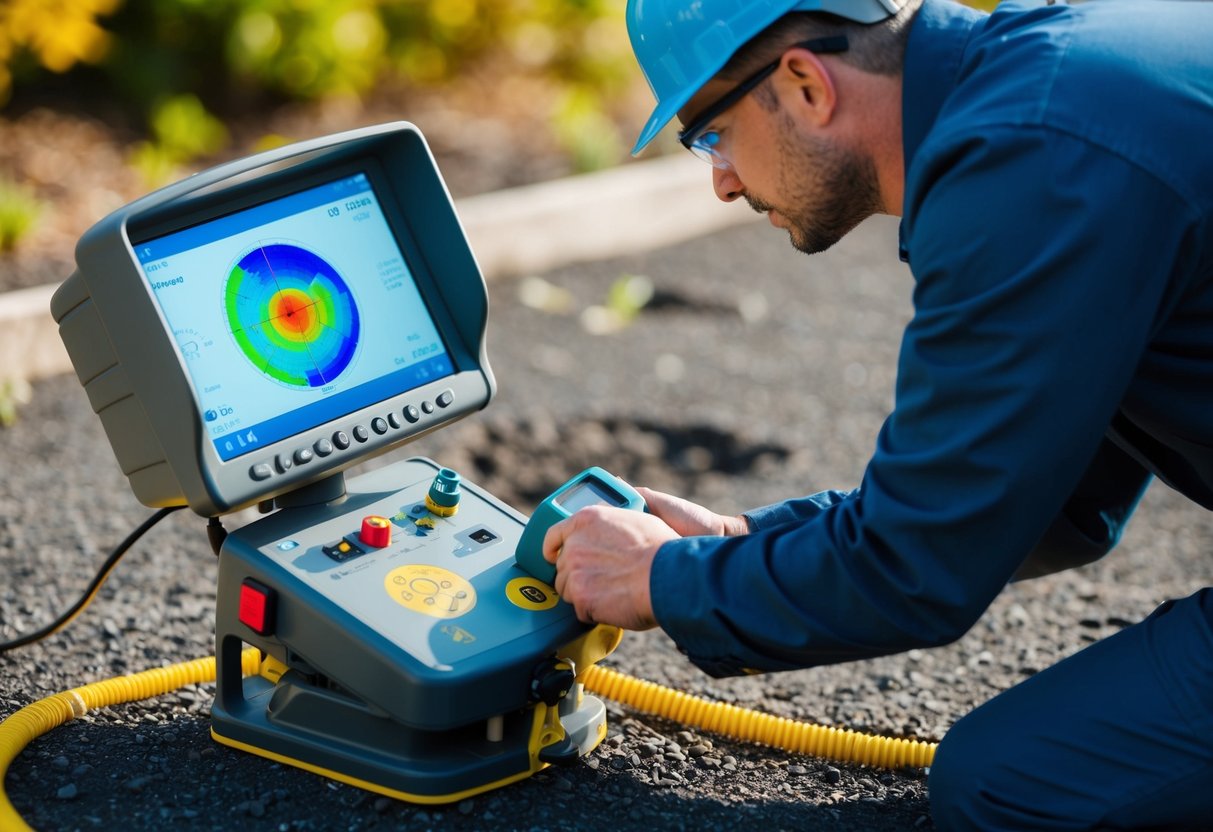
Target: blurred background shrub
{"type": "Point", "coordinates": [19, 210]}
{"type": "Point", "coordinates": [173, 65]}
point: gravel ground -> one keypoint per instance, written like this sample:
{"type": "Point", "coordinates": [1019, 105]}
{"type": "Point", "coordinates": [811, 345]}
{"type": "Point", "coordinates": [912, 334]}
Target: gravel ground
{"type": "Point", "coordinates": [754, 374]}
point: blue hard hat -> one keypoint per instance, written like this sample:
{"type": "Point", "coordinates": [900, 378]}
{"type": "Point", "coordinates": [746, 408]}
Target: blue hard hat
{"type": "Point", "coordinates": [680, 45]}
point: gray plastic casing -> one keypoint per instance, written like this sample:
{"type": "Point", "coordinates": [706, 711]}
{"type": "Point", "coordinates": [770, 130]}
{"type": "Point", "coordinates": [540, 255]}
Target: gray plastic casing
{"type": "Point", "coordinates": [128, 361]}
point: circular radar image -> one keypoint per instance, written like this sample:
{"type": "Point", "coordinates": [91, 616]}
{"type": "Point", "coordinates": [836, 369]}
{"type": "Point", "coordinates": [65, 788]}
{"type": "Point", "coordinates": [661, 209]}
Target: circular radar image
{"type": "Point", "coordinates": [292, 315]}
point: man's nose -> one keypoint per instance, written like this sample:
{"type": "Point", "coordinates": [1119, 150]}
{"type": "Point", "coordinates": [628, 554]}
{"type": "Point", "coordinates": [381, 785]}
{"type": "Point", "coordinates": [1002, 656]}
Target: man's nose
{"type": "Point", "coordinates": [727, 185]}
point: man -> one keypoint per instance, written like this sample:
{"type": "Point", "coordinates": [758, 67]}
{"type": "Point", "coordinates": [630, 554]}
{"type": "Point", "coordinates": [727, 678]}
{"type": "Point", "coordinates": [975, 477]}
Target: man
{"type": "Point", "coordinates": [1052, 168]}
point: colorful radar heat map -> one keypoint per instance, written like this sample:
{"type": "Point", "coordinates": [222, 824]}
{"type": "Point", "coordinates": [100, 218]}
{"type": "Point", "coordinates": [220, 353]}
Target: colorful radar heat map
{"type": "Point", "coordinates": [292, 315]}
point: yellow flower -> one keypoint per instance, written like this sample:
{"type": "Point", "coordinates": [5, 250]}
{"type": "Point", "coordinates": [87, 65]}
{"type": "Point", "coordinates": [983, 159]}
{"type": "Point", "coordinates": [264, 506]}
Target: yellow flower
{"type": "Point", "coordinates": [59, 32]}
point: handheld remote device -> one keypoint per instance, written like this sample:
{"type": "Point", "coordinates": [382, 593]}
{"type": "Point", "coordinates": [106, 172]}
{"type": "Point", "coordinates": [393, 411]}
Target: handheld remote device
{"type": "Point", "coordinates": [593, 486]}
{"type": "Point", "coordinates": [245, 336]}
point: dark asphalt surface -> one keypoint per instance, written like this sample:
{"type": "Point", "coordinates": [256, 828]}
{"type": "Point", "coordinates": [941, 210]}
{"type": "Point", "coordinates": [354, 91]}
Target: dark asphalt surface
{"type": "Point", "coordinates": [754, 374]}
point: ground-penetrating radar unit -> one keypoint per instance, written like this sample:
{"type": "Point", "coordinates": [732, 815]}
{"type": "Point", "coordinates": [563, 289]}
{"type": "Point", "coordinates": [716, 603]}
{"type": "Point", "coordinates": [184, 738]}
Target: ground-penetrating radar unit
{"type": "Point", "coordinates": [247, 334]}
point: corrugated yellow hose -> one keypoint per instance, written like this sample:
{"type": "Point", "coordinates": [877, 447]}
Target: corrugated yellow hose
{"type": "Point", "coordinates": [32, 721]}
{"type": "Point", "coordinates": [839, 744]}
{"type": "Point", "coordinates": [823, 741]}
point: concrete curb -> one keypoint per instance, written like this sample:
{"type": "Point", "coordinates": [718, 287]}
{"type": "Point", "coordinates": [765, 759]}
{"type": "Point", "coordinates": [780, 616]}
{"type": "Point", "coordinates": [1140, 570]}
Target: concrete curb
{"type": "Point", "coordinates": [530, 229]}
{"type": "Point", "coordinates": [636, 207]}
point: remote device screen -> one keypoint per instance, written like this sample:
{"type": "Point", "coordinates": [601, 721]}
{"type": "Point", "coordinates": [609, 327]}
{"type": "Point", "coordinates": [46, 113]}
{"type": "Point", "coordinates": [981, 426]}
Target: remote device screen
{"type": "Point", "coordinates": [589, 492]}
{"type": "Point", "coordinates": [293, 312]}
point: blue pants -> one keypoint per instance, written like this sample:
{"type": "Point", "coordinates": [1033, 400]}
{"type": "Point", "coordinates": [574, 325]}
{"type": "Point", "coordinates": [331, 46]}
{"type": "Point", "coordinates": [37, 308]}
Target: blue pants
{"type": "Point", "coordinates": [1117, 736]}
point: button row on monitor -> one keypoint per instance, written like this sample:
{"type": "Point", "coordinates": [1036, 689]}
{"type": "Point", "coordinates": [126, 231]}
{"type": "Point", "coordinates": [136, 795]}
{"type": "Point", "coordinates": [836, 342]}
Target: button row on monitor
{"type": "Point", "coordinates": [340, 440]}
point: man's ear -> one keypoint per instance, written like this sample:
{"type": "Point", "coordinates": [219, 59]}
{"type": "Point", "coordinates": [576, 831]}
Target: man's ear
{"type": "Point", "coordinates": [805, 85]}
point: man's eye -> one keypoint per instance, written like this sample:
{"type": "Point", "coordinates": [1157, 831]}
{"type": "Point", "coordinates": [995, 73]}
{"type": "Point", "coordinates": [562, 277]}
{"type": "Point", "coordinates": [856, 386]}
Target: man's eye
{"type": "Point", "coordinates": [708, 139]}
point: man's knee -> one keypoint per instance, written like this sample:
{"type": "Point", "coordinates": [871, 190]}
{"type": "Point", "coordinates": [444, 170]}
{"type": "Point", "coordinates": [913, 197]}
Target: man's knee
{"type": "Point", "coordinates": [951, 783]}
{"type": "Point", "coordinates": [970, 786]}
{"type": "Point", "coordinates": [996, 769]}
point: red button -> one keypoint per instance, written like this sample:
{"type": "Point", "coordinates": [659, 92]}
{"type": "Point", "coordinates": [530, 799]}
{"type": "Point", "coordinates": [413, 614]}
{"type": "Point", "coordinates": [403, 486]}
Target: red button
{"type": "Point", "coordinates": [256, 606]}
{"type": "Point", "coordinates": [376, 531]}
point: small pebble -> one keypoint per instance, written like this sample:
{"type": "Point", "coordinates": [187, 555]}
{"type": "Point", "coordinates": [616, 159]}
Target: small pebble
{"type": "Point", "coordinates": [797, 771]}
{"type": "Point", "coordinates": [68, 792]}
{"type": "Point", "coordinates": [382, 804]}
{"type": "Point", "coordinates": [466, 807]}
{"type": "Point", "coordinates": [833, 775]}
{"type": "Point", "coordinates": [136, 783]}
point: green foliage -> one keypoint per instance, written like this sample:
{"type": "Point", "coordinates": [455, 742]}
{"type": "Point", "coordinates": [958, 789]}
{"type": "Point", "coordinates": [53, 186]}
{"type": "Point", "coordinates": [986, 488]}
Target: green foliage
{"type": "Point", "coordinates": [19, 211]}
{"type": "Point", "coordinates": [181, 130]}
{"type": "Point", "coordinates": [244, 55]}
{"type": "Point", "coordinates": [241, 49]}
{"type": "Point", "coordinates": [14, 392]}
{"type": "Point", "coordinates": [626, 296]}
{"type": "Point", "coordinates": [584, 129]}
{"type": "Point", "coordinates": [629, 294]}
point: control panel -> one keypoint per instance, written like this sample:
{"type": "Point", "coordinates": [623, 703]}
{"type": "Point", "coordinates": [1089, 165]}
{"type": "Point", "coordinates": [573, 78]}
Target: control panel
{"type": "Point", "coordinates": [438, 599]}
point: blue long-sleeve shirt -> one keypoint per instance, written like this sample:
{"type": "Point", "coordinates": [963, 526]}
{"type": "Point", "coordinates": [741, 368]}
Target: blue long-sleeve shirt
{"type": "Point", "coordinates": [1058, 221]}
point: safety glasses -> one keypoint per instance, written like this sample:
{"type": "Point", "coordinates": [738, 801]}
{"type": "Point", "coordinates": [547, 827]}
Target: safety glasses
{"type": "Point", "coordinates": [704, 143]}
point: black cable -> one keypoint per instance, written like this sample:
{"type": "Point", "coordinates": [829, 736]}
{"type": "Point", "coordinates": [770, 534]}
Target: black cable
{"type": "Point", "coordinates": [216, 534]}
{"type": "Point", "coordinates": [97, 581]}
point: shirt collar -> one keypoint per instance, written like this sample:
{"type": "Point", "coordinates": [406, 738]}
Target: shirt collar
{"type": "Point", "coordinates": [938, 37]}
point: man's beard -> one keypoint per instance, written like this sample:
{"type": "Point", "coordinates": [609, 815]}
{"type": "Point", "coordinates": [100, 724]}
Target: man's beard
{"type": "Point", "coordinates": [827, 190]}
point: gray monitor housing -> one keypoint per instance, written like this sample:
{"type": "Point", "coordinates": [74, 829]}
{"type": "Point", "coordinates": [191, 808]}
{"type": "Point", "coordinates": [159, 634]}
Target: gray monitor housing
{"type": "Point", "coordinates": [134, 362]}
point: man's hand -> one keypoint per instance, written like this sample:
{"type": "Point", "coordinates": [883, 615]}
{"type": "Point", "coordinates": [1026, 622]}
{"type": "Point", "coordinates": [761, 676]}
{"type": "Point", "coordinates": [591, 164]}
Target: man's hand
{"type": "Point", "coordinates": [691, 519]}
{"type": "Point", "coordinates": [603, 556]}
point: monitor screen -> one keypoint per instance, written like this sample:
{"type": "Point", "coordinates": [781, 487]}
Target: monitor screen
{"type": "Point", "coordinates": [293, 312]}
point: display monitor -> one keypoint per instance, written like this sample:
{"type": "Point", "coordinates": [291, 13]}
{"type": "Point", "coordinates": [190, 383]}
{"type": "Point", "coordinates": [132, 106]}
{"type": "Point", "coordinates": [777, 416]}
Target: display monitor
{"type": "Point", "coordinates": [292, 313]}
{"type": "Point", "coordinates": [267, 323]}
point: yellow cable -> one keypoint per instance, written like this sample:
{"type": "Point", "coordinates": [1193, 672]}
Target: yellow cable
{"type": "Point", "coordinates": [840, 744]}
{"type": "Point", "coordinates": [826, 742]}
{"type": "Point", "coordinates": [32, 721]}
